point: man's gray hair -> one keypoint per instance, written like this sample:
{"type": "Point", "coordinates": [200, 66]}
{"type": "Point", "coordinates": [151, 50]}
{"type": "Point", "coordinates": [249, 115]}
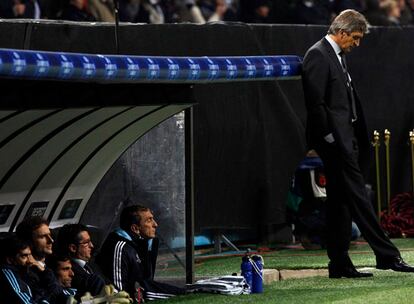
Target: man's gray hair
{"type": "Point", "coordinates": [349, 21]}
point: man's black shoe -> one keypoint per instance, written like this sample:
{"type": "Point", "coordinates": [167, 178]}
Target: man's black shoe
{"type": "Point", "coordinates": [336, 272]}
{"type": "Point", "coordinates": [396, 264]}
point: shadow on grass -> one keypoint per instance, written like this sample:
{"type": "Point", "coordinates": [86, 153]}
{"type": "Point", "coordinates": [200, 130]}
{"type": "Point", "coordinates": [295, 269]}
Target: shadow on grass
{"type": "Point", "coordinates": [384, 287]}
{"type": "Point", "coordinates": [361, 255]}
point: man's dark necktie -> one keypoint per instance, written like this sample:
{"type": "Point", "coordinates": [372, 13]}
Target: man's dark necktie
{"type": "Point", "coordinates": [88, 268]}
{"type": "Point", "coordinates": [349, 84]}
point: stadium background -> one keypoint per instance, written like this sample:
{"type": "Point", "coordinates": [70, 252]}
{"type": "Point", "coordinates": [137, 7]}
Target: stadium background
{"type": "Point", "coordinates": [249, 137]}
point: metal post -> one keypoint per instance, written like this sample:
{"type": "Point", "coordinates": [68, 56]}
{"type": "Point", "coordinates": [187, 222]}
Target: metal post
{"type": "Point", "coordinates": [412, 158]}
{"type": "Point", "coordinates": [376, 144]}
{"type": "Point", "coordinates": [116, 14]}
{"type": "Point", "coordinates": [217, 242]}
{"type": "Point", "coordinates": [387, 136]}
{"type": "Point", "coordinates": [189, 194]}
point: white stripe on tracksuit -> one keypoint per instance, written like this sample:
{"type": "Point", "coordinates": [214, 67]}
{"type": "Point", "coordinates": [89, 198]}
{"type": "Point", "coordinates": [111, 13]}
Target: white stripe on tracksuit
{"type": "Point", "coordinates": [15, 285]}
{"type": "Point", "coordinates": [157, 295]}
{"type": "Point", "coordinates": [117, 264]}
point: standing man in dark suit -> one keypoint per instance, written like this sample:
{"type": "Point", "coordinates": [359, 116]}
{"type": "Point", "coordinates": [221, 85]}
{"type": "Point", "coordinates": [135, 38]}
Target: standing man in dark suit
{"type": "Point", "coordinates": [336, 130]}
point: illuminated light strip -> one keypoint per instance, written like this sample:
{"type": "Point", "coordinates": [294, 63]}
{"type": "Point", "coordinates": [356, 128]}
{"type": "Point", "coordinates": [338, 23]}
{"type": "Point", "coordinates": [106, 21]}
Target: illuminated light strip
{"type": "Point", "coordinates": [23, 64]}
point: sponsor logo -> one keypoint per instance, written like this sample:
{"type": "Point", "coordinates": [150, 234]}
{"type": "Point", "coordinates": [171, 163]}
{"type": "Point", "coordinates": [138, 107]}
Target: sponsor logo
{"type": "Point", "coordinates": [231, 69]}
{"type": "Point", "coordinates": [19, 64]}
{"type": "Point", "coordinates": [42, 65]}
{"type": "Point", "coordinates": [89, 68]}
{"type": "Point", "coordinates": [194, 69]}
{"type": "Point", "coordinates": [110, 68]}
{"type": "Point", "coordinates": [66, 67]}
{"type": "Point", "coordinates": [133, 68]}
{"type": "Point", "coordinates": [285, 67]}
{"type": "Point", "coordinates": [250, 69]}
{"type": "Point", "coordinates": [268, 68]}
{"type": "Point", "coordinates": [213, 69]}
{"type": "Point", "coordinates": [173, 69]}
{"type": "Point", "coordinates": [153, 69]}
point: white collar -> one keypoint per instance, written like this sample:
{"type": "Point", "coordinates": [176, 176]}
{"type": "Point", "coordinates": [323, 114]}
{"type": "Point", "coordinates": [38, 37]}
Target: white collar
{"type": "Point", "coordinates": [334, 45]}
{"type": "Point", "coordinates": [80, 262]}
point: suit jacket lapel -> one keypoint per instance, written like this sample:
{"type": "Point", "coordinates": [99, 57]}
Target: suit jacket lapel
{"type": "Point", "coordinates": [334, 58]}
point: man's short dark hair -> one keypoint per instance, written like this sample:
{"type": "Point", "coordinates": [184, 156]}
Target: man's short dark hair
{"type": "Point", "coordinates": [131, 215]}
{"type": "Point", "coordinates": [11, 246]}
{"type": "Point", "coordinates": [25, 229]}
{"type": "Point", "coordinates": [68, 234]}
{"type": "Point", "coordinates": [53, 260]}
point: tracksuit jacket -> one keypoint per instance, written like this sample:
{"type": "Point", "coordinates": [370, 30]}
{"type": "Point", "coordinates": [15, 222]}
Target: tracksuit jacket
{"type": "Point", "coordinates": [18, 286]}
{"type": "Point", "coordinates": [129, 262]}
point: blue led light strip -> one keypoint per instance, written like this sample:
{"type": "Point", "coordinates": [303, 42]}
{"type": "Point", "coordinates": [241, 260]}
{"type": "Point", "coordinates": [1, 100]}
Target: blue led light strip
{"type": "Point", "coordinates": [24, 64]}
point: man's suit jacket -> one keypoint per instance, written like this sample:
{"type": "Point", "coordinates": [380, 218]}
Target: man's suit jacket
{"type": "Point", "coordinates": [328, 102]}
{"type": "Point", "coordinates": [84, 281]}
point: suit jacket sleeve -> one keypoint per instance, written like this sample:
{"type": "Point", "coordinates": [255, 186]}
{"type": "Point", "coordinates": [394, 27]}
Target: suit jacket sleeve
{"type": "Point", "coordinates": [84, 281]}
{"type": "Point", "coordinates": [315, 78]}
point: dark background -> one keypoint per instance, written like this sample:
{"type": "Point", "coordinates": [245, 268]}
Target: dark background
{"type": "Point", "coordinates": [249, 136]}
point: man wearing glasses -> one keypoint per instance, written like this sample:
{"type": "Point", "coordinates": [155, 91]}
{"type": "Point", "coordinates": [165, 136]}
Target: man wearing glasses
{"type": "Point", "coordinates": [74, 240]}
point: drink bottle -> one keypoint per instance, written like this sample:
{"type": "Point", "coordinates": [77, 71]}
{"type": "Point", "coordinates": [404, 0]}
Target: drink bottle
{"type": "Point", "coordinates": [257, 274]}
{"type": "Point", "coordinates": [246, 270]}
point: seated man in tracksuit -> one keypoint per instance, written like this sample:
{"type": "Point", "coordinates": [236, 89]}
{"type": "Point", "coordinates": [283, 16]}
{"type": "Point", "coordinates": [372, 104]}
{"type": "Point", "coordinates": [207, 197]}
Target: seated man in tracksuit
{"type": "Point", "coordinates": [14, 264]}
{"type": "Point", "coordinates": [16, 274]}
{"type": "Point", "coordinates": [61, 265]}
{"type": "Point", "coordinates": [35, 230]}
{"type": "Point", "coordinates": [129, 254]}
{"type": "Point", "coordinates": [62, 268]}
